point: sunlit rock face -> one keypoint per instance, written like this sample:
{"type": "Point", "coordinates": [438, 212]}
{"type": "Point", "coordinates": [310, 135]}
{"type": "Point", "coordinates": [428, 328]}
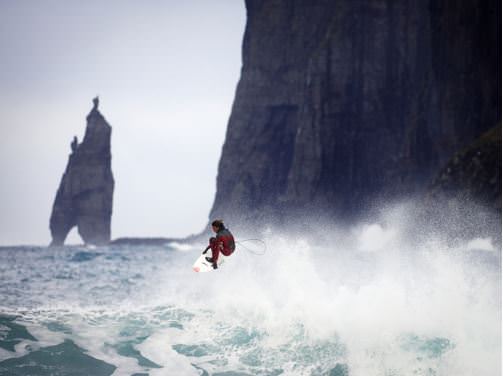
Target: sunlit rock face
{"type": "Point", "coordinates": [342, 103]}
{"type": "Point", "coordinates": [85, 195]}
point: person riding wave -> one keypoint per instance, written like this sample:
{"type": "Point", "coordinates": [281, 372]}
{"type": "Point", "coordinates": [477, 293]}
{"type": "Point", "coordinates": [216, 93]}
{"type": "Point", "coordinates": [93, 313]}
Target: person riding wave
{"type": "Point", "coordinates": [222, 243]}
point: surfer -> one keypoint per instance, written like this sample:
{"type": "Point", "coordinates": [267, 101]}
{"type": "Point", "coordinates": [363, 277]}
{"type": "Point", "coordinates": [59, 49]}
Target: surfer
{"type": "Point", "coordinates": [222, 243]}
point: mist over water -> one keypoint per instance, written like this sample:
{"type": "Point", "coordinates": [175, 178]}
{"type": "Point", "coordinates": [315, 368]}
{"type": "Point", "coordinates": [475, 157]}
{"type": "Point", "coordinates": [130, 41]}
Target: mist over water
{"type": "Point", "coordinates": [366, 299]}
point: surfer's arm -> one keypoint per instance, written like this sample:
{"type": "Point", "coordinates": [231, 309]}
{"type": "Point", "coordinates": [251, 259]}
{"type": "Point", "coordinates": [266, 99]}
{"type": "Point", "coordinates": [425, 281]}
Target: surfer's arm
{"type": "Point", "coordinates": [220, 243]}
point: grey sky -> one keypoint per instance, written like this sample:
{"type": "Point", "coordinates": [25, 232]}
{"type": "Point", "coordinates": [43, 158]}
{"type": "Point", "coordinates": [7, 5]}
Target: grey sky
{"type": "Point", "coordinates": [166, 73]}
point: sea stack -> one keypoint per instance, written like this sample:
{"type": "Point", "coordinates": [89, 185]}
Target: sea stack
{"type": "Point", "coordinates": [85, 194]}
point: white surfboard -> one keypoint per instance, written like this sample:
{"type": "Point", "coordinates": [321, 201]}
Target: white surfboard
{"type": "Point", "coordinates": [202, 266]}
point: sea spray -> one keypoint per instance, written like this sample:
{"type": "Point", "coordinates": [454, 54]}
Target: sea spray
{"type": "Point", "coordinates": [367, 300]}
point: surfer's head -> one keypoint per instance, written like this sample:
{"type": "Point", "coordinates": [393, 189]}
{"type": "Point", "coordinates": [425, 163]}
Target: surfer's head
{"type": "Point", "coordinates": [217, 225]}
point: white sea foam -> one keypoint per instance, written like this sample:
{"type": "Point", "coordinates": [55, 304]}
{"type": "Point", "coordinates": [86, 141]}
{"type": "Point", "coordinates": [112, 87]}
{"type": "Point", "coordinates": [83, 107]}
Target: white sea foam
{"type": "Point", "coordinates": [157, 348]}
{"type": "Point", "coordinates": [371, 298]}
{"type": "Point", "coordinates": [374, 237]}
{"type": "Point", "coordinates": [480, 244]}
{"type": "Point", "coordinates": [183, 247]}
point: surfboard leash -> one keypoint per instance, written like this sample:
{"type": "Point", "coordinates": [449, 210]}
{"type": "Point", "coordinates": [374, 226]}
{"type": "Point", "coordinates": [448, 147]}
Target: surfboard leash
{"type": "Point", "coordinates": [252, 251]}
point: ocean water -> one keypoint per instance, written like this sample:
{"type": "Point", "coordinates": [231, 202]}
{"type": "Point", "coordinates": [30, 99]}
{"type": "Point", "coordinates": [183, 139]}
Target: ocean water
{"type": "Point", "coordinates": [365, 301]}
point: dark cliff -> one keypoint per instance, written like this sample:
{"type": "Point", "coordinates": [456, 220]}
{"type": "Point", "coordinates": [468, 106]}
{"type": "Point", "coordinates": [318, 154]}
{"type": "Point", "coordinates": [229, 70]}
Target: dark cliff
{"type": "Point", "coordinates": [85, 194]}
{"type": "Point", "coordinates": [342, 103]}
{"type": "Point", "coordinates": [474, 173]}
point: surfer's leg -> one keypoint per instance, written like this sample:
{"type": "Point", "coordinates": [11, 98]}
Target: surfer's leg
{"type": "Point", "coordinates": [214, 251]}
{"type": "Point", "coordinates": [226, 252]}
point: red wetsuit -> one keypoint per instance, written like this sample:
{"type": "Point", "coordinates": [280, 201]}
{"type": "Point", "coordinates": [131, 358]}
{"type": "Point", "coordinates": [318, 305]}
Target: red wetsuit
{"type": "Point", "coordinates": [224, 242]}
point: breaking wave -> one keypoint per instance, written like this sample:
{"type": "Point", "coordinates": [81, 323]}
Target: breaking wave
{"type": "Point", "coordinates": [368, 299]}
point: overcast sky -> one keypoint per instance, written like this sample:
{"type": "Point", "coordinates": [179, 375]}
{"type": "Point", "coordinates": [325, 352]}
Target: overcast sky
{"type": "Point", "coordinates": [166, 73]}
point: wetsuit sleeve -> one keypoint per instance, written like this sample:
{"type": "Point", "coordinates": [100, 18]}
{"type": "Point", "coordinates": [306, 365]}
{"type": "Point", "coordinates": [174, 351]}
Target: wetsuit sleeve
{"type": "Point", "coordinates": [220, 241]}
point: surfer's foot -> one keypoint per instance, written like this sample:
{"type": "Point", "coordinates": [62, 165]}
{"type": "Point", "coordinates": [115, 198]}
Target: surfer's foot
{"type": "Point", "coordinates": [213, 263]}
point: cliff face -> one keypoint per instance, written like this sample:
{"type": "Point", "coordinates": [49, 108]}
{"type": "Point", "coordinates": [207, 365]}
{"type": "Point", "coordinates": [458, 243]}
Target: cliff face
{"type": "Point", "coordinates": [85, 194]}
{"type": "Point", "coordinates": [474, 172]}
{"type": "Point", "coordinates": [341, 103]}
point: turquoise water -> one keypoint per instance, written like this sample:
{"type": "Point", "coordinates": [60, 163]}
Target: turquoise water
{"type": "Point", "coordinates": [369, 304]}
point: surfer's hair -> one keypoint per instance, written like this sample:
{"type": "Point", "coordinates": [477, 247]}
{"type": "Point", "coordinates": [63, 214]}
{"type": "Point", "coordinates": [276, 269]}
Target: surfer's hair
{"type": "Point", "coordinates": [218, 223]}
